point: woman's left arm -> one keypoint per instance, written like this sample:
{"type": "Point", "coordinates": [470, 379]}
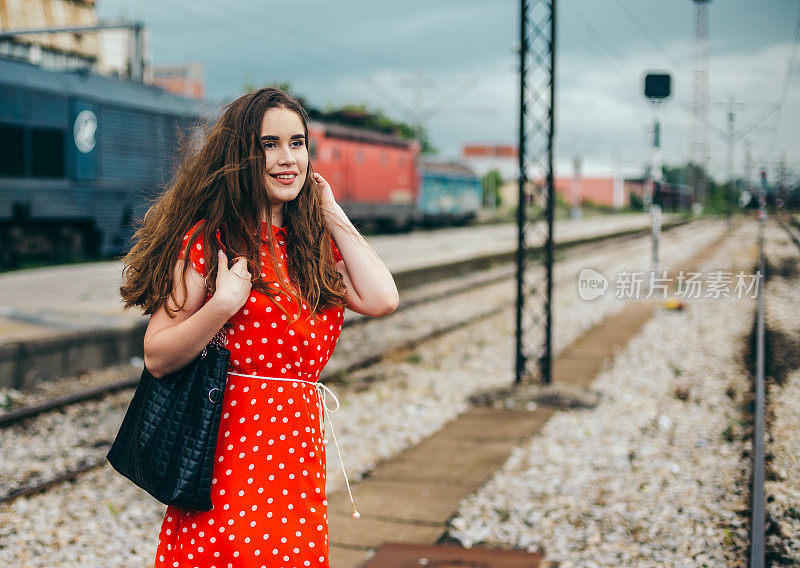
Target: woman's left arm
{"type": "Point", "coordinates": [371, 290]}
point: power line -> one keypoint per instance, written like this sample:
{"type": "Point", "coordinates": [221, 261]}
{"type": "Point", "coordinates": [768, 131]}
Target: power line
{"type": "Point", "coordinates": [645, 32]}
{"type": "Point", "coordinates": [787, 82]}
{"type": "Point", "coordinates": [790, 69]}
{"type": "Point", "coordinates": [595, 36]}
{"type": "Point", "coordinates": [212, 13]}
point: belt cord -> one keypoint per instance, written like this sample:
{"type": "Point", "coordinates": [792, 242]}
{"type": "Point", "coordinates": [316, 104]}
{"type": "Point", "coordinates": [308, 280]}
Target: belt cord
{"type": "Point", "coordinates": [321, 395]}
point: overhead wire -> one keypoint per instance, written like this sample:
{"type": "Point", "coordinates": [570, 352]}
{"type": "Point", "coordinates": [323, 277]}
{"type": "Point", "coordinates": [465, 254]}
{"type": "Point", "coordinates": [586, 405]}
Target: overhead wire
{"type": "Point", "coordinates": [788, 80]}
{"type": "Point", "coordinates": [212, 12]}
{"type": "Point", "coordinates": [645, 32]}
{"type": "Point", "coordinates": [597, 47]}
{"type": "Point", "coordinates": [232, 12]}
{"type": "Point", "coordinates": [595, 43]}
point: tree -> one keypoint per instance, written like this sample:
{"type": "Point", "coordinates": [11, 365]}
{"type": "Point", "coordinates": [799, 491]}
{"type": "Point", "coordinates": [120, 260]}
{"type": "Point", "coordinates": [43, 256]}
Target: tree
{"type": "Point", "coordinates": [636, 203]}
{"type": "Point", "coordinates": [360, 116]}
{"type": "Point", "coordinates": [491, 183]}
{"type": "Point", "coordinates": [718, 196]}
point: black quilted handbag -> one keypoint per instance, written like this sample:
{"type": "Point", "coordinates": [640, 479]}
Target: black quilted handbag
{"type": "Point", "coordinates": [168, 438]}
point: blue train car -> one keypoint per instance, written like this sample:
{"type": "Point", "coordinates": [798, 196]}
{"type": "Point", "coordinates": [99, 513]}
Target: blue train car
{"type": "Point", "coordinates": [81, 156]}
{"type": "Point", "coordinates": [449, 193]}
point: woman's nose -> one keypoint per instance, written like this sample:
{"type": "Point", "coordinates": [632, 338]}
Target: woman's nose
{"type": "Point", "coordinates": [286, 157]}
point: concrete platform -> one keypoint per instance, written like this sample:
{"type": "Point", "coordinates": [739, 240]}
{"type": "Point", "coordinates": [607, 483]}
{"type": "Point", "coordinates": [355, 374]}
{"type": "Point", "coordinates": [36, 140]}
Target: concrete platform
{"type": "Point", "coordinates": [54, 321]}
{"type": "Point", "coordinates": [86, 296]}
{"type": "Point", "coordinates": [400, 555]}
{"type": "Point", "coordinates": [411, 497]}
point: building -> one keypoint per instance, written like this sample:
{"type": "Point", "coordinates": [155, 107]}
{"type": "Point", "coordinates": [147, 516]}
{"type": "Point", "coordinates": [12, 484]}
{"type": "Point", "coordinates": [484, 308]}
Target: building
{"type": "Point", "coordinates": [186, 79]}
{"type": "Point", "coordinates": [603, 191]}
{"type": "Point", "coordinates": [483, 158]}
{"type": "Point", "coordinates": [116, 52]}
{"type": "Point", "coordinates": [59, 52]}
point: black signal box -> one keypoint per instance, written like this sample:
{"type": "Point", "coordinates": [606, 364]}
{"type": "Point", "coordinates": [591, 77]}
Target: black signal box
{"type": "Point", "coordinates": [657, 85]}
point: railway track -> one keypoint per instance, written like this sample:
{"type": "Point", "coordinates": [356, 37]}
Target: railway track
{"type": "Point", "coordinates": [762, 342]}
{"type": "Point", "coordinates": [408, 280]}
{"type": "Point", "coordinates": [790, 229]}
{"type": "Point", "coordinates": [498, 276]}
{"type": "Point", "coordinates": [757, 532]}
{"type": "Point", "coordinates": [774, 535]}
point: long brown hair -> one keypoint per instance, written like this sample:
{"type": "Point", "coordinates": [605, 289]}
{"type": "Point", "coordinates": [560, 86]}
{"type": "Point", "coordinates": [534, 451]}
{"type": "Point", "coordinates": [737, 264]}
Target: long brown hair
{"type": "Point", "coordinates": [223, 184]}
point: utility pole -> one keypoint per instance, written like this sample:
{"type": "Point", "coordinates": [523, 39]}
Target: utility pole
{"type": "Point", "coordinates": [700, 144]}
{"type": "Point", "coordinates": [576, 192]}
{"type": "Point", "coordinates": [418, 113]}
{"type": "Point", "coordinates": [780, 185]}
{"type": "Point", "coordinates": [657, 89]}
{"type": "Point", "coordinates": [418, 82]}
{"type": "Point", "coordinates": [748, 168]}
{"type": "Point", "coordinates": [729, 185]}
{"type": "Point", "coordinates": [536, 194]}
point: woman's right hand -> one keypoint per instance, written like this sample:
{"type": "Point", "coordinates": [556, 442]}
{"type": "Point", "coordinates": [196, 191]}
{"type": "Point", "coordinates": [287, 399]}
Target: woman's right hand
{"type": "Point", "coordinates": [234, 285]}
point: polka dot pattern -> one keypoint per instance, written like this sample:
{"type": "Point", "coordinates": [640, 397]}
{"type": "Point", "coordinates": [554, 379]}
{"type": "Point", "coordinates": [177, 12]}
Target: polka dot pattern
{"type": "Point", "coordinates": [268, 486]}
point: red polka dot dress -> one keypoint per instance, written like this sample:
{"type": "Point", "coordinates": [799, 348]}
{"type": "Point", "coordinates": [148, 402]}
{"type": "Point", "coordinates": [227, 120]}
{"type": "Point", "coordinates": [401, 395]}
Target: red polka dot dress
{"type": "Point", "coordinates": [268, 486]}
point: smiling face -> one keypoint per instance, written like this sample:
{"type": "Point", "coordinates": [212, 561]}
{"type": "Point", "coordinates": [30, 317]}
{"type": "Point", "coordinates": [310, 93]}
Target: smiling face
{"type": "Point", "coordinates": [285, 148]}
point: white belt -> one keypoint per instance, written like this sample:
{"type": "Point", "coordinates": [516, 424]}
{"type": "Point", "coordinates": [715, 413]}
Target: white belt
{"type": "Point", "coordinates": [325, 408]}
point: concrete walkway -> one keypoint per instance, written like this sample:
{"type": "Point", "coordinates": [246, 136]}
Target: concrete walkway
{"type": "Point", "coordinates": [410, 498]}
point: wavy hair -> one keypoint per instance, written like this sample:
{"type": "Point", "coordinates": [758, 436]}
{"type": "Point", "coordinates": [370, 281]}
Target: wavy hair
{"type": "Point", "coordinates": [223, 184]}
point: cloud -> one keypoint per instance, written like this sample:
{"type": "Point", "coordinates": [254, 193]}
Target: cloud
{"type": "Point", "coordinates": [328, 51]}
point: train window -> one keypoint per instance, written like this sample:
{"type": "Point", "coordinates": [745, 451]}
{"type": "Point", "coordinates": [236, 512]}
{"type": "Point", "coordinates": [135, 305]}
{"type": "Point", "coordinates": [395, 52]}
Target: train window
{"type": "Point", "coordinates": [383, 159]}
{"type": "Point", "coordinates": [359, 156]}
{"type": "Point", "coordinates": [48, 153]}
{"type": "Point", "coordinates": [12, 140]}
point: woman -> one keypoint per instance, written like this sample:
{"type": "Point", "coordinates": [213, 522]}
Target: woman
{"type": "Point", "coordinates": [250, 193]}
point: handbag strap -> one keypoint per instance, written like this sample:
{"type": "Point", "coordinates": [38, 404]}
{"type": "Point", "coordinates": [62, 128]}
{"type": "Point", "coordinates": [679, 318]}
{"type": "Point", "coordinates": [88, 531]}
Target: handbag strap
{"type": "Point", "coordinates": [220, 339]}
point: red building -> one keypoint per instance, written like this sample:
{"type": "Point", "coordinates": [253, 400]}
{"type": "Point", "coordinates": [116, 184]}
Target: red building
{"type": "Point", "coordinates": [607, 191]}
{"type": "Point", "coordinates": [483, 158]}
{"type": "Point", "coordinates": [185, 79]}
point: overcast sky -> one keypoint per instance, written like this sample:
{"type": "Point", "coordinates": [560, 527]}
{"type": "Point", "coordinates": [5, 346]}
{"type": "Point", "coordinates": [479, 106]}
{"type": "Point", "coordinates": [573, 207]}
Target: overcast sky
{"type": "Point", "coordinates": [461, 54]}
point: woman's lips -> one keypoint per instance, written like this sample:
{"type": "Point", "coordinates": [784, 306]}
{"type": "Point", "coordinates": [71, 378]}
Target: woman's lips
{"type": "Point", "coordinates": [289, 180]}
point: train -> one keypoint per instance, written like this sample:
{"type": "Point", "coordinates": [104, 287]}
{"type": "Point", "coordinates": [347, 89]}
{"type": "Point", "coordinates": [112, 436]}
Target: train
{"type": "Point", "coordinates": [82, 153]}
{"type": "Point", "coordinates": [84, 156]}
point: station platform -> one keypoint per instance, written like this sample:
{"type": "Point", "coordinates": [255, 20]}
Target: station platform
{"type": "Point", "coordinates": [59, 320]}
{"type": "Point", "coordinates": [48, 301]}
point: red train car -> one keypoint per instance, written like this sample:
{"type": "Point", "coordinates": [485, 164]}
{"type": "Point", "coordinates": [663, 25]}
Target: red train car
{"type": "Point", "coordinates": [375, 176]}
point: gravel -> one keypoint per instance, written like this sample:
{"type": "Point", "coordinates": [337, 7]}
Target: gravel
{"type": "Point", "coordinates": [103, 520]}
{"type": "Point", "coordinates": [782, 449]}
{"type": "Point", "coordinates": [655, 474]}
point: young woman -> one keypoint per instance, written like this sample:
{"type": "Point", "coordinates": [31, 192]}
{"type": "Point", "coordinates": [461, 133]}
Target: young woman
{"type": "Point", "coordinates": [250, 194]}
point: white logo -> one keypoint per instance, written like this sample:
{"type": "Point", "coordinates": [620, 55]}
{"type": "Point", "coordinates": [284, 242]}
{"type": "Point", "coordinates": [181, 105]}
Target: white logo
{"type": "Point", "coordinates": [84, 131]}
{"type": "Point", "coordinates": [591, 284]}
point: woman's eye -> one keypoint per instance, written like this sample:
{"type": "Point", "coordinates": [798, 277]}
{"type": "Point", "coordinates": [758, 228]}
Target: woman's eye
{"type": "Point", "coordinates": [293, 144]}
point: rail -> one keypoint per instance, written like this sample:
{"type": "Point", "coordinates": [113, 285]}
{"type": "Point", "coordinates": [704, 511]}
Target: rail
{"type": "Point", "coordinates": [757, 533]}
